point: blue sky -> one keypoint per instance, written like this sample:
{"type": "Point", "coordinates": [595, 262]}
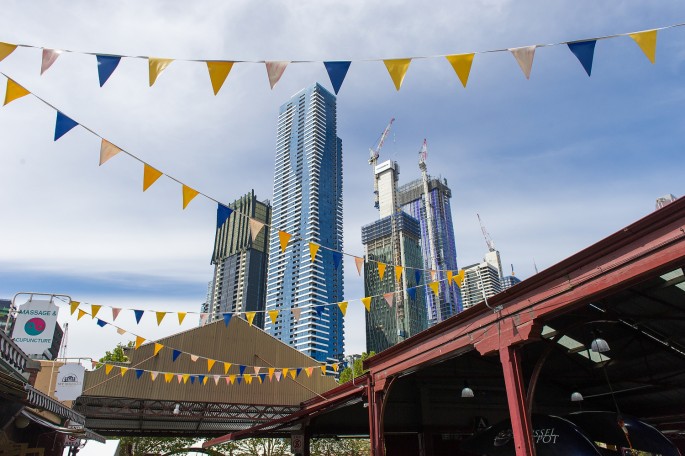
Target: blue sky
{"type": "Point", "coordinates": [552, 164]}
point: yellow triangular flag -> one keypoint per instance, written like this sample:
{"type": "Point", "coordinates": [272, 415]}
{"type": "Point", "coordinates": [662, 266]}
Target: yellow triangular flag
{"type": "Point", "coordinates": [367, 303]}
{"type": "Point", "coordinates": [462, 66]}
{"type": "Point", "coordinates": [139, 341]}
{"type": "Point", "coordinates": [397, 69]}
{"type": "Point", "coordinates": [204, 380]}
{"type": "Point", "coordinates": [293, 374]}
{"type": "Point", "coordinates": [359, 262]}
{"type": "Point", "coordinates": [123, 370]}
{"type": "Point", "coordinates": [150, 175]}
{"type": "Point", "coordinates": [449, 278]}
{"type": "Point", "coordinates": [94, 310]}
{"type": "Point", "coordinates": [80, 314]}
{"type": "Point", "coordinates": [309, 371]}
{"type": "Point", "coordinates": [343, 307]}
{"type": "Point", "coordinates": [227, 366]}
{"type": "Point", "coordinates": [160, 317]}
{"type": "Point", "coordinates": [284, 238]}
{"type": "Point", "coordinates": [210, 364]}
{"type": "Point", "coordinates": [158, 347]}
{"type": "Point", "coordinates": [188, 195]}
{"type": "Point", "coordinates": [185, 378]}
{"type": "Point", "coordinates": [231, 378]}
{"type": "Point", "coordinates": [273, 314]}
{"type": "Point", "coordinates": [74, 305]}
{"type": "Point", "coordinates": [108, 368]}
{"type": "Point", "coordinates": [647, 42]}
{"type": "Point", "coordinates": [313, 248]}
{"type": "Point", "coordinates": [335, 367]}
{"type": "Point", "coordinates": [285, 371]}
{"type": "Point", "coordinates": [107, 151]}
{"type": "Point", "coordinates": [459, 278]}
{"type": "Point", "coordinates": [168, 377]}
{"type": "Point", "coordinates": [323, 369]}
{"type": "Point", "coordinates": [14, 91]}
{"type": "Point", "coordinates": [381, 270]}
{"type": "Point", "coordinates": [435, 287]}
{"type": "Point", "coordinates": [6, 49]}
{"type": "Point", "coordinates": [248, 379]}
{"type": "Point", "coordinates": [218, 71]}
{"type": "Point", "coordinates": [250, 317]}
{"type": "Point", "coordinates": [156, 67]}
{"type": "Point", "coordinates": [398, 272]}
{"type": "Point", "coordinates": [255, 227]}
{"type": "Point", "coordinates": [181, 316]}
{"type": "Point", "coordinates": [271, 372]}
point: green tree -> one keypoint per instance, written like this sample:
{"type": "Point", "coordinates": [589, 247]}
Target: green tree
{"type": "Point", "coordinates": [340, 447]}
{"type": "Point", "coordinates": [357, 368]}
{"type": "Point", "coordinates": [118, 354]}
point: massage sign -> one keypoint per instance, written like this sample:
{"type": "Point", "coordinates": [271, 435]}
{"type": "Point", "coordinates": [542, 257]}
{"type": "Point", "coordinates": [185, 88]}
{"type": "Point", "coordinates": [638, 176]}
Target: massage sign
{"type": "Point", "coordinates": [34, 326]}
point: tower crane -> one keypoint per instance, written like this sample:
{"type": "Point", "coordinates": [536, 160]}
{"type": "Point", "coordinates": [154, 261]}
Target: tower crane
{"type": "Point", "coordinates": [488, 240]}
{"type": "Point", "coordinates": [374, 153]}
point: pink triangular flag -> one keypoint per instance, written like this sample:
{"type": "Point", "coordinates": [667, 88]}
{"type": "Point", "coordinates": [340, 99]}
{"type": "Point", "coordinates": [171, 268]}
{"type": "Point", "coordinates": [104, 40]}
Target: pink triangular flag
{"type": "Point", "coordinates": [275, 70]}
{"type": "Point", "coordinates": [296, 313]}
{"type": "Point", "coordinates": [49, 57]}
{"type": "Point", "coordinates": [255, 227]}
{"type": "Point", "coordinates": [216, 379]}
{"type": "Point", "coordinates": [115, 313]}
{"type": "Point", "coordinates": [524, 56]}
{"type": "Point", "coordinates": [154, 375]}
{"type": "Point", "coordinates": [203, 318]}
{"type": "Point", "coordinates": [359, 262]}
{"type": "Point", "coordinates": [179, 377]}
{"type": "Point", "coordinates": [388, 298]}
{"type": "Point", "coordinates": [194, 358]}
{"type": "Point", "coordinates": [257, 369]}
{"type": "Point", "coordinates": [121, 331]}
{"type": "Point", "coordinates": [278, 375]}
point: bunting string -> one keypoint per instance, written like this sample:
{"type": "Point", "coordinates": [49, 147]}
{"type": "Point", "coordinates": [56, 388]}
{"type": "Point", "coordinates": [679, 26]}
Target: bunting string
{"type": "Point", "coordinates": [219, 69]}
{"type": "Point", "coordinates": [151, 174]}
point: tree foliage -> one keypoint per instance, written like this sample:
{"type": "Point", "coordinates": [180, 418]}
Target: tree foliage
{"type": "Point", "coordinates": [118, 354]}
{"type": "Point", "coordinates": [357, 368]}
{"type": "Point", "coordinates": [340, 447]}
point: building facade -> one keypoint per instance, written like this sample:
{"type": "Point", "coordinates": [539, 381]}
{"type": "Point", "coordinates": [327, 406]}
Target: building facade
{"type": "Point", "coordinates": [481, 281]}
{"type": "Point", "coordinates": [509, 281]}
{"type": "Point", "coordinates": [240, 261]}
{"type": "Point", "coordinates": [412, 200]}
{"type": "Point", "coordinates": [307, 204]}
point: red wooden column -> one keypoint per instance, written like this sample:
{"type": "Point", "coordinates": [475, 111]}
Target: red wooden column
{"type": "Point", "coordinates": [516, 398]}
{"type": "Point", "coordinates": [375, 401]}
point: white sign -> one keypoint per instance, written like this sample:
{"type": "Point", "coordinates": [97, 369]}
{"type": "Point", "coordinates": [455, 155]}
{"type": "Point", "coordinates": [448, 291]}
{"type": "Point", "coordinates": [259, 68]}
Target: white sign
{"type": "Point", "coordinates": [34, 326]}
{"type": "Point", "coordinates": [73, 440]}
{"type": "Point", "coordinates": [297, 443]}
{"type": "Point", "coordinates": [69, 384]}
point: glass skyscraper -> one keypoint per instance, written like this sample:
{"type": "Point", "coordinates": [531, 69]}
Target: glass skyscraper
{"type": "Point", "coordinates": [411, 198]}
{"type": "Point", "coordinates": [307, 203]}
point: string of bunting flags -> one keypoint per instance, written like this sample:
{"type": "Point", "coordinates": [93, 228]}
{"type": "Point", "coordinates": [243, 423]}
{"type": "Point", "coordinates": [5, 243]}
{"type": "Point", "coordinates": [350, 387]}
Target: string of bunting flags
{"type": "Point", "coordinates": [64, 124]}
{"type": "Point", "coordinates": [219, 69]}
{"type": "Point", "coordinates": [211, 362]}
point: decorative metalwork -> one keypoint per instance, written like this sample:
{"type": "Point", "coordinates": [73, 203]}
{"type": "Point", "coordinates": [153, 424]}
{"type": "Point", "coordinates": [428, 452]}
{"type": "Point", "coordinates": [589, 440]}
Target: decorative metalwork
{"type": "Point", "coordinates": [12, 354]}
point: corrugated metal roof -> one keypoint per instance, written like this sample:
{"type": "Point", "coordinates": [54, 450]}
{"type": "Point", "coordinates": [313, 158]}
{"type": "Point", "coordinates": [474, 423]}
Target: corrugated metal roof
{"type": "Point", "coordinates": [239, 343]}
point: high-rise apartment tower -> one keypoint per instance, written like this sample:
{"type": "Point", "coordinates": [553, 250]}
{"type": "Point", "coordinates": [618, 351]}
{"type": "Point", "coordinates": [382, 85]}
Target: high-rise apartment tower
{"type": "Point", "coordinates": [307, 204]}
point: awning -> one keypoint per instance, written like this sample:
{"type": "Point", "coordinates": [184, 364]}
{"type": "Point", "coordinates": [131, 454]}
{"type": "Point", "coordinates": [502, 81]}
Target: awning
{"type": "Point", "coordinates": [41, 400]}
{"type": "Point", "coordinates": [82, 433]}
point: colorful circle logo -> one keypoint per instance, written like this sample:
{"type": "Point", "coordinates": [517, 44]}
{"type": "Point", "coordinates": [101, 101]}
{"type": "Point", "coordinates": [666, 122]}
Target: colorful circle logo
{"type": "Point", "coordinates": [34, 326]}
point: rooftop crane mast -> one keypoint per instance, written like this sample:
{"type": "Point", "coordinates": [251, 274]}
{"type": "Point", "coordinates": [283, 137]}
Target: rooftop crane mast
{"type": "Point", "coordinates": [374, 153]}
{"type": "Point", "coordinates": [488, 240]}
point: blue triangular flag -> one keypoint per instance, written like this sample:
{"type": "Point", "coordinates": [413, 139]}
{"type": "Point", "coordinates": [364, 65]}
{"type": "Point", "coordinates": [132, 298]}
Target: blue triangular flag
{"type": "Point", "coordinates": [175, 355]}
{"type": "Point", "coordinates": [337, 72]}
{"type": "Point", "coordinates": [139, 373]}
{"type": "Point", "coordinates": [297, 372]}
{"type": "Point", "coordinates": [201, 379]}
{"type": "Point", "coordinates": [139, 315]}
{"type": "Point", "coordinates": [412, 292]}
{"type": "Point", "coordinates": [192, 379]}
{"type": "Point", "coordinates": [106, 66]}
{"type": "Point", "coordinates": [585, 52]}
{"type": "Point", "coordinates": [227, 318]}
{"type": "Point", "coordinates": [222, 214]}
{"type": "Point", "coordinates": [417, 275]}
{"type": "Point", "coordinates": [63, 125]}
{"type": "Point", "coordinates": [337, 259]}
{"type": "Point", "coordinates": [101, 323]}
{"type": "Point", "coordinates": [262, 377]}
{"type": "Point", "coordinates": [239, 379]}
{"type": "Point", "coordinates": [242, 369]}
{"type": "Point", "coordinates": [318, 309]}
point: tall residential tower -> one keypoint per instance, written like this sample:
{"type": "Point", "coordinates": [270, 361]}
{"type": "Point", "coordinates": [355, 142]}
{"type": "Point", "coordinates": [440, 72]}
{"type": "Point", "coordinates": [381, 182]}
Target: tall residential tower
{"type": "Point", "coordinates": [240, 259]}
{"type": "Point", "coordinates": [307, 204]}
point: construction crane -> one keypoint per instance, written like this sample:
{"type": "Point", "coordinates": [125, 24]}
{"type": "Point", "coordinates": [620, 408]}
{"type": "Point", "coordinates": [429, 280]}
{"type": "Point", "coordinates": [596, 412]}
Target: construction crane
{"type": "Point", "coordinates": [374, 153]}
{"type": "Point", "coordinates": [488, 240]}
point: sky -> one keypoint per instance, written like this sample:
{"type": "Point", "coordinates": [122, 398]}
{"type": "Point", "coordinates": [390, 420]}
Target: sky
{"type": "Point", "coordinates": [552, 164]}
